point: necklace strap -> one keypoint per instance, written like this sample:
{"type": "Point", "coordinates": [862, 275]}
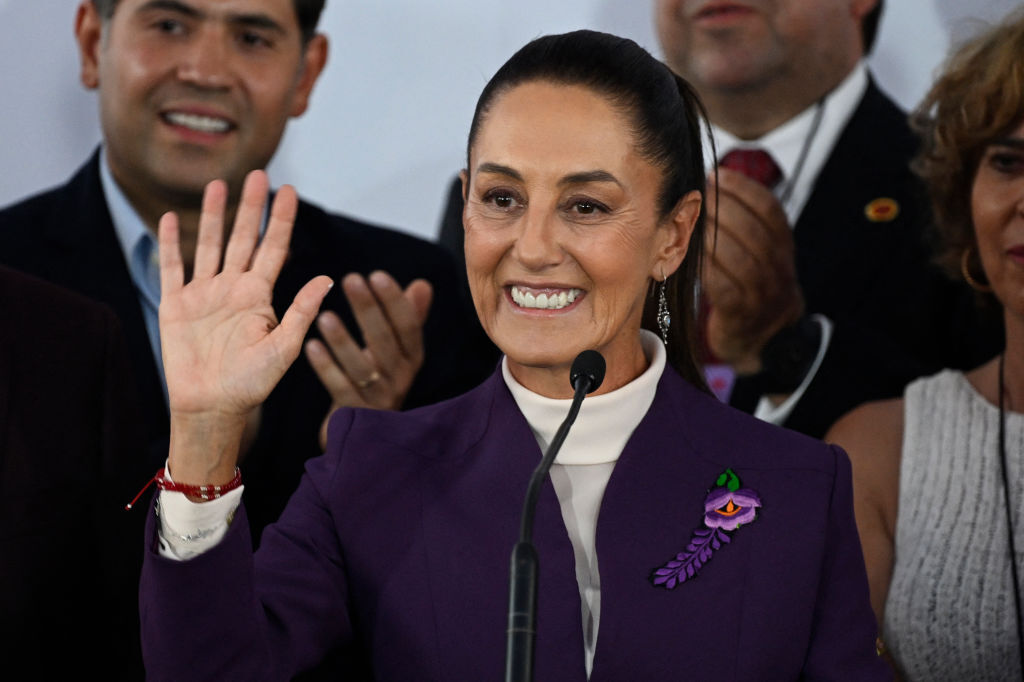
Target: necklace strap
{"type": "Point", "coordinates": [790, 182]}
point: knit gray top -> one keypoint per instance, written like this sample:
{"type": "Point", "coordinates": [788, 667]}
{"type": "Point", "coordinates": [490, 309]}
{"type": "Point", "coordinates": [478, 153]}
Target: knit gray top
{"type": "Point", "coordinates": [950, 612]}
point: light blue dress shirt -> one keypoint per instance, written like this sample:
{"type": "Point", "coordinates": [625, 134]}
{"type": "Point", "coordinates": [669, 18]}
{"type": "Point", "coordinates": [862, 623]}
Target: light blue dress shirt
{"type": "Point", "coordinates": [141, 254]}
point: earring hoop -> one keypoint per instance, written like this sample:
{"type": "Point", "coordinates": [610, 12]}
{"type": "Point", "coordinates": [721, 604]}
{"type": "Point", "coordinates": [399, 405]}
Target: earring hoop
{"type": "Point", "coordinates": [664, 318]}
{"type": "Point", "coordinates": [965, 271]}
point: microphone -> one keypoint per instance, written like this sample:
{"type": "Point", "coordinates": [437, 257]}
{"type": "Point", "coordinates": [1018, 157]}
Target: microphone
{"type": "Point", "coordinates": [585, 377]}
{"type": "Point", "coordinates": [588, 366]}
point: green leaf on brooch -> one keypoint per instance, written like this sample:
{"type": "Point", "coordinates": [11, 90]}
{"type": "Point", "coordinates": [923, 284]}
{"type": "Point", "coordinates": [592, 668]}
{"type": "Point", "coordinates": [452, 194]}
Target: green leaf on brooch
{"type": "Point", "coordinates": [729, 479]}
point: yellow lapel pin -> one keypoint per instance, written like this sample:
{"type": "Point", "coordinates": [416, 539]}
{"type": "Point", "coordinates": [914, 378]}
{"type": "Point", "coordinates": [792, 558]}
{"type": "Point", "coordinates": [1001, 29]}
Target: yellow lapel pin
{"type": "Point", "coordinates": [882, 210]}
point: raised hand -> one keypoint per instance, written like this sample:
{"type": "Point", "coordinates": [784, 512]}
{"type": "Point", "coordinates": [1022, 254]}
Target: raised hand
{"type": "Point", "coordinates": [391, 321]}
{"type": "Point", "coordinates": [223, 348]}
{"type": "Point", "coordinates": [749, 276]}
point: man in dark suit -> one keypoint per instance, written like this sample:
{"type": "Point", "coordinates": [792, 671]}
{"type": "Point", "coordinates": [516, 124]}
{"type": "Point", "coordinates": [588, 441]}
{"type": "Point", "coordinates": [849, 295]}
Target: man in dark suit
{"type": "Point", "coordinates": [191, 91]}
{"type": "Point", "coordinates": [196, 90]}
{"type": "Point", "coordinates": [820, 294]}
{"type": "Point", "coordinates": [69, 430]}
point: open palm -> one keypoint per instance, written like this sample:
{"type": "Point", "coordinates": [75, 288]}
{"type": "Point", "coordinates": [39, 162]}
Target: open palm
{"type": "Point", "coordinates": [223, 348]}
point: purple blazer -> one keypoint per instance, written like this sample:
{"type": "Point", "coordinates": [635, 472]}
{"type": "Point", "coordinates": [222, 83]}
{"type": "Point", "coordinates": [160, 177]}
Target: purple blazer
{"type": "Point", "coordinates": [396, 547]}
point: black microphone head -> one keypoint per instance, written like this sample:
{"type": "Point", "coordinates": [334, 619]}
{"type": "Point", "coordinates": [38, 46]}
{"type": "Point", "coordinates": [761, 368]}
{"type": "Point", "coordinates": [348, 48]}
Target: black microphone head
{"type": "Point", "coordinates": [588, 366]}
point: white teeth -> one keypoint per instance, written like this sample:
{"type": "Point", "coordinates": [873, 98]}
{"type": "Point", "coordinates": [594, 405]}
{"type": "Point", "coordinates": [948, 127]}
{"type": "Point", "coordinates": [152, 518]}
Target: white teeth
{"type": "Point", "coordinates": [550, 301]}
{"type": "Point", "coordinates": [203, 124]}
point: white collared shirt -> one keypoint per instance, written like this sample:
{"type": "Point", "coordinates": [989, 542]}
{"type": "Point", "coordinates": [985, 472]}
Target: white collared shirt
{"type": "Point", "coordinates": [141, 255]}
{"type": "Point", "coordinates": [786, 142]}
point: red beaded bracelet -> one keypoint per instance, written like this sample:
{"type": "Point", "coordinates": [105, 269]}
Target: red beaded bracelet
{"type": "Point", "coordinates": [204, 492]}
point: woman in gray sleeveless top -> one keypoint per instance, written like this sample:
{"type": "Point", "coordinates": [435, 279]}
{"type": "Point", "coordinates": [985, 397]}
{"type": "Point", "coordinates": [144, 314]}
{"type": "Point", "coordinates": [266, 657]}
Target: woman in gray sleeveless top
{"type": "Point", "coordinates": [938, 474]}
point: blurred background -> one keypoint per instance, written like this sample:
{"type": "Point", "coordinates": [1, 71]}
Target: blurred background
{"type": "Point", "coordinates": [386, 129]}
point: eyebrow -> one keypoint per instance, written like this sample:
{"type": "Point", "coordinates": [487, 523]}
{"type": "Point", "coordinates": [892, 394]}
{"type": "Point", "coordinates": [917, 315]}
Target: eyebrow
{"type": "Point", "coordinates": [571, 179]}
{"type": "Point", "coordinates": [498, 169]}
{"type": "Point", "coordinates": [1014, 142]}
{"type": "Point", "coordinates": [589, 176]}
{"type": "Point", "coordinates": [254, 20]}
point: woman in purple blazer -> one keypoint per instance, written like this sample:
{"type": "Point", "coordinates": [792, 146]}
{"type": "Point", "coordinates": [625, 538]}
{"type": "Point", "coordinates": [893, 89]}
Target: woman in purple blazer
{"type": "Point", "coordinates": [678, 538]}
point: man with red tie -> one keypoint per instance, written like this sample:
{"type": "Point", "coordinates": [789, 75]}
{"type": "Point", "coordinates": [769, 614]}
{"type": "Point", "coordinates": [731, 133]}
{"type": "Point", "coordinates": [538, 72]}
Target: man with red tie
{"type": "Point", "coordinates": [818, 294]}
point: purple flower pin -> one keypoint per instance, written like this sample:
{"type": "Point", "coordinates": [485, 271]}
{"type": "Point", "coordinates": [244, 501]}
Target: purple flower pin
{"type": "Point", "coordinates": [726, 508]}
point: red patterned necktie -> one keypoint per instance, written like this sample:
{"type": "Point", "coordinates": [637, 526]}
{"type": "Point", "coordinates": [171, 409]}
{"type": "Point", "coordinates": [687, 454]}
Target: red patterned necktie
{"type": "Point", "coordinates": [756, 164]}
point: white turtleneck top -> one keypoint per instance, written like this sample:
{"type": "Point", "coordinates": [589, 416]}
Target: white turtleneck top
{"type": "Point", "coordinates": [585, 462]}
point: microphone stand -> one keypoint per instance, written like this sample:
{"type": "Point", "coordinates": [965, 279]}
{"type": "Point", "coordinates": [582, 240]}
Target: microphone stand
{"type": "Point", "coordinates": [586, 376]}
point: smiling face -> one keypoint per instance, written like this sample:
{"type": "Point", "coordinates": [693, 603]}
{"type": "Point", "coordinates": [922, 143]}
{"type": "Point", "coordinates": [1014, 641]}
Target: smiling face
{"type": "Point", "coordinates": [997, 209]}
{"type": "Point", "coordinates": [193, 90]}
{"type": "Point", "coordinates": [563, 233]}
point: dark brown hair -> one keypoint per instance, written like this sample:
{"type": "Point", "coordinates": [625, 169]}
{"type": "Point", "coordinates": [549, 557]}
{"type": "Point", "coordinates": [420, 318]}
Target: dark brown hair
{"type": "Point", "coordinates": [666, 116]}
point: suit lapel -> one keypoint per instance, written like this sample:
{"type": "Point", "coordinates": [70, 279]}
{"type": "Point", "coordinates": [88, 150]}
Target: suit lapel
{"type": "Point", "coordinates": [86, 257]}
{"type": "Point", "coordinates": [479, 495]}
{"type": "Point", "coordinates": [471, 521]}
{"type": "Point", "coordinates": [647, 631]}
{"type": "Point", "coordinates": [833, 233]}
{"type": "Point", "coordinates": [6, 357]}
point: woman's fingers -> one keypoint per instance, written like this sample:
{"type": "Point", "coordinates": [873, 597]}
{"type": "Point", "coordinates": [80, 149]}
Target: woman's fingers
{"type": "Point", "coordinates": [297, 319]}
{"type": "Point", "coordinates": [172, 272]}
{"type": "Point", "coordinates": [245, 234]}
{"type": "Point", "coordinates": [211, 230]}
{"type": "Point", "coordinates": [246, 230]}
{"type": "Point", "coordinates": [274, 248]}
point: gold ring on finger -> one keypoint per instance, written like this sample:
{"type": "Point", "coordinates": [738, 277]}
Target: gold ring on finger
{"type": "Point", "coordinates": [370, 380]}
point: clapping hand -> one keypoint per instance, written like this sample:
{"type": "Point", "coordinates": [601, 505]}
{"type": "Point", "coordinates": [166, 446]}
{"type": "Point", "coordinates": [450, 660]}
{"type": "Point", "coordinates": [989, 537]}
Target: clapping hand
{"type": "Point", "coordinates": [391, 320]}
{"type": "Point", "coordinates": [749, 276]}
{"type": "Point", "coordinates": [223, 348]}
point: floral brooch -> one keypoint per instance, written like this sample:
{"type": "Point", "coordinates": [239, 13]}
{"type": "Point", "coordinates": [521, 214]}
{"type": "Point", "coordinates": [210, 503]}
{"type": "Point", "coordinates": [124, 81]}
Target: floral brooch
{"type": "Point", "coordinates": [726, 508]}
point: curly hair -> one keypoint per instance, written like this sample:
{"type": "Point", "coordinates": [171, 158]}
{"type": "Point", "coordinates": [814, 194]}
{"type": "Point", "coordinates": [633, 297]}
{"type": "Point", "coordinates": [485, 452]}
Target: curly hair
{"type": "Point", "coordinates": [978, 98]}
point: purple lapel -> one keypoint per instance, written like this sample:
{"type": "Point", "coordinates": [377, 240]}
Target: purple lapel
{"type": "Point", "coordinates": [648, 632]}
{"type": "Point", "coordinates": [471, 522]}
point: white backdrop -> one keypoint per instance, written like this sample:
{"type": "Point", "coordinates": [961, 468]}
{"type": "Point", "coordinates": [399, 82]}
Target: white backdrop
{"type": "Point", "coordinates": [387, 126]}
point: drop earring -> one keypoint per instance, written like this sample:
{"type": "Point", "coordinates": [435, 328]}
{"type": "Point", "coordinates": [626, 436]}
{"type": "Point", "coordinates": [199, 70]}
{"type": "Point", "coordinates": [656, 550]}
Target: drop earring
{"type": "Point", "coordinates": [664, 318]}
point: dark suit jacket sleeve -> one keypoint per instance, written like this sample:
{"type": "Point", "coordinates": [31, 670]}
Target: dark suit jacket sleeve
{"type": "Point", "coordinates": [268, 616]}
{"type": "Point", "coordinates": [843, 619]}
